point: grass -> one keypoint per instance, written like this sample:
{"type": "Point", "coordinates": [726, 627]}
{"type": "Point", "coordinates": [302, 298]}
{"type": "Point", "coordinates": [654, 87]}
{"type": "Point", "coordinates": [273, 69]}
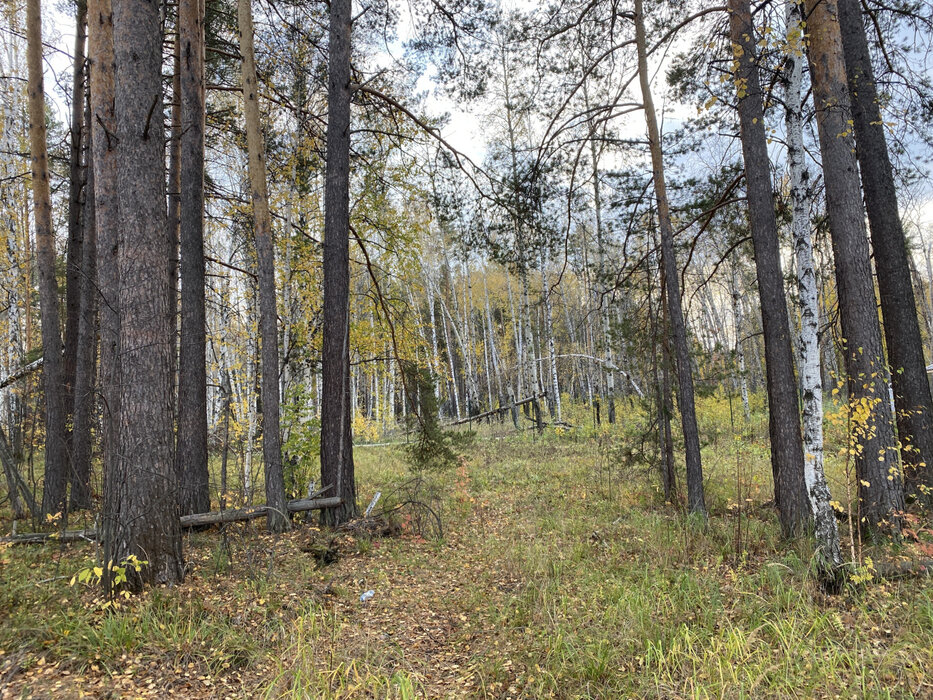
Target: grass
{"type": "Point", "coordinates": [562, 574]}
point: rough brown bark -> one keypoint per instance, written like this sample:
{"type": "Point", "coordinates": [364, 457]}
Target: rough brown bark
{"type": "Point", "coordinates": [880, 488]}
{"type": "Point", "coordinates": [912, 397]}
{"type": "Point", "coordinates": [696, 503]}
{"type": "Point", "coordinates": [336, 438]}
{"type": "Point", "coordinates": [174, 194]}
{"type": "Point", "coordinates": [102, 159]}
{"type": "Point", "coordinates": [790, 492]}
{"type": "Point", "coordinates": [56, 457]}
{"type": "Point", "coordinates": [191, 454]}
{"type": "Point", "coordinates": [75, 257]}
{"type": "Point", "coordinates": [262, 222]}
{"type": "Point", "coordinates": [85, 359]}
{"type": "Point", "coordinates": [144, 520]}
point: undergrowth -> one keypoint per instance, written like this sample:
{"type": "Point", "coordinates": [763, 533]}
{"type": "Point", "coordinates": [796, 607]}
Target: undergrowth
{"type": "Point", "coordinates": [562, 573]}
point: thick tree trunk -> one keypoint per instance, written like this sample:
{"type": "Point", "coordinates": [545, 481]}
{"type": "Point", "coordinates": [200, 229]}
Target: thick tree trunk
{"type": "Point", "coordinates": [103, 144]}
{"type": "Point", "coordinates": [696, 503]}
{"type": "Point", "coordinates": [262, 222]}
{"type": "Point", "coordinates": [144, 519]}
{"type": "Point", "coordinates": [75, 258]}
{"type": "Point", "coordinates": [808, 362]}
{"type": "Point", "coordinates": [191, 453]}
{"type": "Point", "coordinates": [881, 491]}
{"type": "Point", "coordinates": [56, 456]}
{"type": "Point", "coordinates": [892, 262]}
{"type": "Point", "coordinates": [783, 420]}
{"type": "Point", "coordinates": [336, 437]}
{"type": "Point", "coordinates": [174, 193]}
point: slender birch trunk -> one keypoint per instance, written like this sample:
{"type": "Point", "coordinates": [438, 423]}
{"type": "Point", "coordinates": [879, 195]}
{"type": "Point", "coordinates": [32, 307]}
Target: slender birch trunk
{"type": "Point", "coordinates": [808, 361]}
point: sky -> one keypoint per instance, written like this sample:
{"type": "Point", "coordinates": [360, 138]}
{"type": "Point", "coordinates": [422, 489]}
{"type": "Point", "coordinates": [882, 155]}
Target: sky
{"type": "Point", "coordinates": [465, 127]}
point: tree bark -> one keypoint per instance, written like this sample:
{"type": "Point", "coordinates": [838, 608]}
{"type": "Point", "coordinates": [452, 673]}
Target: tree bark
{"type": "Point", "coordinates": [191, 453]}
{"type": "Point", "coordinates": [144, 519]}
{"type": "Point", "coordinates": [783, 420]}
{"type": "Point", "coordinates": [75, 258]}
{"type": "Point", "coordinates": [174, 192]}
{"type": "Point", "coordinates": [880, 488]}
{"type": "Point", "coordinates": [696, 503]}
{"type": "Point", "coordinates": [56, 456]}
{"type": "Point", "coordinates": [103, 144]}
{"type": "Point", "coordinates": [86, 357]}
{"type": "Point", "coordinates": [268, 315]}
{"type": "Point", "coordinates": [336, 437]}
{"type": "Point", "coordinates": [808, 362]}
{"type": "Point", "coordinates": [912, 397]}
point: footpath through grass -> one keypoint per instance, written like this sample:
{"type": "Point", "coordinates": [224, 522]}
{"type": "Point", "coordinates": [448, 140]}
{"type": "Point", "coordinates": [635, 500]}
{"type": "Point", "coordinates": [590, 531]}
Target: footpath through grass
{"type": "Point", "coordinates": [555, 578]}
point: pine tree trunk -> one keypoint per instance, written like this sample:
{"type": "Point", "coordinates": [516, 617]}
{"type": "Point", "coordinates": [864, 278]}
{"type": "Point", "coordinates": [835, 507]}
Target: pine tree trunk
{"type": "Point", "coordinates": [105, 178]}
{"type": "Point", "coordinates": [56, 457]}
{"type": "Point", "coordinates": [85, 360]}
{"type": "Point", "coordinates": [271, 436]}
{"type": "Point", "coordinates": [892, 262]}
{"type": "Point", "coordinates": [191, 454]}
{"type": "Point", "coordinates": [784, 424]}
{"type": "Point", "coordinates": [696, 503]}
{"type": "Point", "coordinates": [337, 469]}
{"type": "Point", "coordinates": [75, 257]}
{"type": "Point", "coordinates": [144, 519]}
{"type": "Point", "coordinates": [881, 492]}
{"type": "Point", "coordinates": [174, 196]}
{"type": "Point", "coordinates": [661, 376]}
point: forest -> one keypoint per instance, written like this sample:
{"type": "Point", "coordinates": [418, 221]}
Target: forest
{"type": "Point", "coordinates": [466, 348]}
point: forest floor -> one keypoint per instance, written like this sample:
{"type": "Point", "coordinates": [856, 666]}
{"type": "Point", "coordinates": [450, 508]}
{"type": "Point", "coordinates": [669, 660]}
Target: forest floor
{"type": "Point", "coordinates": [555, 577]}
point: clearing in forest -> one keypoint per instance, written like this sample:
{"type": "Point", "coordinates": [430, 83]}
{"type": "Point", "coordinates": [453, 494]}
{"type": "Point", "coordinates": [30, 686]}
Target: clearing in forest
{"type": "Point", "coordinates": [555, 577]}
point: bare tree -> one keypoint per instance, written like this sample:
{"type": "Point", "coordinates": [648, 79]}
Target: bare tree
{"type": "Point", "coordinates": [696, 502]}
{"type": "Point", "coordinates": [262, 222]}
{"type": "Point", "coordinates": [56, 457]}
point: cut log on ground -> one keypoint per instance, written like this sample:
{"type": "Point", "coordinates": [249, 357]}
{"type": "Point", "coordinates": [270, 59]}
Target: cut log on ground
{"type": "Point", "coordinates": [197, 520]}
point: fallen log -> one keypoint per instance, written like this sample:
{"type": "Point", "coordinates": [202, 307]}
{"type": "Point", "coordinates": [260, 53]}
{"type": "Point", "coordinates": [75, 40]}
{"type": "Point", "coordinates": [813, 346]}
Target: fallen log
{"type": "Point", "coordinates": [493, 412]}
{"type": "Point", "coordinates": [303, 504]}
{"type": "Point", "coordinates": [41, 537]}
{"type": "Point", "coordinates": [197, 520]}
{"type": "Point", "coordinates": [238, 515]}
